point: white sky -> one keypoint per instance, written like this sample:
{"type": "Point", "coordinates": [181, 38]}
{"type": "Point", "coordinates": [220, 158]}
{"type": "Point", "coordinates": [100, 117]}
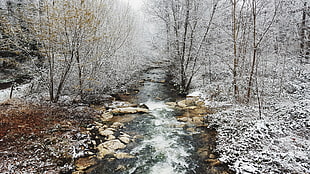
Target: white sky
{"type": "Point", "coordinates": [136, 4]}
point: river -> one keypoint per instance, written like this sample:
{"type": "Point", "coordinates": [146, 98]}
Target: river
{"type": "Point", "coordinates": [163, 144]}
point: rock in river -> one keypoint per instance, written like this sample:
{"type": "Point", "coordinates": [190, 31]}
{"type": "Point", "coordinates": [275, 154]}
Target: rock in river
{"type": "Point", "coordinates": [113, 144]}
{"type": "Point", "coordinates": [129, 110]}
{"type": "Point", "coordinates": [106, 132]}
{"type": "Point", "coordinates": [84, 163]}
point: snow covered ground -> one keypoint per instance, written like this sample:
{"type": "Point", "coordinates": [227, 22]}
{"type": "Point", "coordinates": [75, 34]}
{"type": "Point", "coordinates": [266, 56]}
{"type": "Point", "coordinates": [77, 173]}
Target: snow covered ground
{"type": "Point", "coordinates": [18, 92]}
{"type": "Point", "coordinates": [278, 141]}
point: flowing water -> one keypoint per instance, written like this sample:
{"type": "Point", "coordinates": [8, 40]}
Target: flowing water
{"type": "Point", "coordinates": [164, 147]}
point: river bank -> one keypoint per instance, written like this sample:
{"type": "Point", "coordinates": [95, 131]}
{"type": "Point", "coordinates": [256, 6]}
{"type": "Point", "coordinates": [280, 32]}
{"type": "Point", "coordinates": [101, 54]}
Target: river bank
{"type": "Point", "coordinates": [147, 130]}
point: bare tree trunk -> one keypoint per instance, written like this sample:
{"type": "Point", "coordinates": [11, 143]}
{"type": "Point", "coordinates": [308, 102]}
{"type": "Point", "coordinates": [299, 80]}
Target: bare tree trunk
{"type": "Point", "coordinates": [183, 72]}
{"type": "Point", "coordinates": [79, 66]}
{"type": "Point", "coordinates": [250, 82]}
{"type": "Point", "coordinates": [236, 92]}
{"type": "Point", "coordinates": [303, 46]}
{"type": "Point", "coordinates": [64, 77]}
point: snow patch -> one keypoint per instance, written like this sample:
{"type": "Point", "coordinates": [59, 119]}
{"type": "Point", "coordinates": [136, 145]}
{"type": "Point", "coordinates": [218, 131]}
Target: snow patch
{"type": "Point", "coordinates": [18, 92]}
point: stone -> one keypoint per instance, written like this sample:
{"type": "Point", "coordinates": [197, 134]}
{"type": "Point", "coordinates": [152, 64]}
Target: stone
{"type": "Point", "coordinates": [125, 140]}
{"type": "Point", "coordinates": [111, 137]}
{"type": "Point", "coordinates": [187, 102]}
{"type": "Point", "coordinates": [123, 156]}
{"type": "Point", "coordinates": [129, 110]}
{"type": "Point", "coordinates": [212, 156]}
{"type": "Point", "coordinates": [106, 117]}
{"type": "Point", "coordinates": [200, 103]}
{"type": "Point", "coordinates": [102, 151]}
{"type": "Point", "coordinates": [142, 105]}
{"type": "Point", "coordinates": [120, 168]}
{"type": "Point", "coordinates": [184, 119]}
{"type": "Point", "coordinates": [204, 154]}
{"type": "Point", "coordinates": [125, 135]}
{"type": "Point", "coordinates": [105, 132]}
{"type": "Point", "coordinates": [78, 172]}
{"type": "Point", "coordinates": [213, 162]}
{"type": "Point", "coordinates": [113, 145]}
{"type": "Point", "coordinates": [182, 104]}
{"type": "Point", "coordinates": [85, 163]}
{"type": "Point", "coordinates": [191, 129]}
{"type": "Point", "coordinates": [171, 104]}
{"type": "Point", "coordinates": [117, 125]}
{"type": "Point", "coordinates": [191, 107]}
{"type": "Point", "coordinates": [197, 120]}
{"type": "Point", "coordinates": [98, 124]}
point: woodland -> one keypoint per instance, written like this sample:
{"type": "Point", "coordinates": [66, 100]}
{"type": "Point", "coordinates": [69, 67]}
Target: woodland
{"type": "Point", "coordinates": [248, 58]}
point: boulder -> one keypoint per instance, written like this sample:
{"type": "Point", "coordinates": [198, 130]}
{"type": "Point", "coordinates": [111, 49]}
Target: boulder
{"type": "Point", "coordinates": [85, 163]}
{"type": "Point", "coordinates": [106, 117]}
{"type": "Point", "coordinates": [125, 140]}
{"type": "Point", "coordinates": [129, 110]}
{"type": "Point", "coordinates": [183, 119]}
{"type": "Point", "coordinates": [105, 132]}
{"type": "Point", "coordinates": [123, 156]}
{"type": "Point", "coordinates": [113, 145]}
{"type": "Point", "coordinates": [111, 137]}
{"type": "Point", "coordinates": [117, 125]}
{"type": "Point", "coordinates": [102, 151]}
{"type": "Point", "coordinates": [213, 162]}
{"type": "Point", "coordinates": [197, 120]}
{"type": "Point", "coordinates": [182, 104]}
{"type": "Point", "coordinates": [171, 104]}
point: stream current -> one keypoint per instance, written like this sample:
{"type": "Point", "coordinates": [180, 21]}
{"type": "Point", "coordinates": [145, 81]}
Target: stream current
{"type": "Point", "coordinates": [164, 147]}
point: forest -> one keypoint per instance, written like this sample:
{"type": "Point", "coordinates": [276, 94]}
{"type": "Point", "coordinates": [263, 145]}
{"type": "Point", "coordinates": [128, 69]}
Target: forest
{"type": "Point", "coordinates": [248, 61]}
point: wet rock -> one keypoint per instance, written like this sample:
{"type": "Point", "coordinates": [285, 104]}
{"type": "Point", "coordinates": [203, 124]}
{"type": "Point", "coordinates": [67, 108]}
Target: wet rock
{"type": "Point", "coordinates": [142, 105]}
{"type": "Point", "coordinates": [117, 125]}
{"type": "Point", "coordinates": [191, 129]}
{"type": "Point", "coordinates": [106, 132]}
{"type": "Point", "coordinates": [125, 140]}
{"type": "Point", "coordinates": [113, 145]}
{"type": "Point", "coordinates": [212, 156]}
{"type": "Point", "coordinates": [182, 104]}
{"type": "Point", "coordinates": [171, 104]}
{"type": "Point", "coordinates": [125, 135]}
{"type": "Point", "coordinates": [191, 107]}
{"type": "Point", "coordinates": [204, 155]}
{"type": "Point", "coordinates": [85, 163]}
{"type": "Point", "coordinates": [111, 137]}
{"type": "Point", "coordinates": [106, 117]}
{"type": "Point", "coordinates": [102, 151]}
{"type": "Point", "coordinates": [123, 156]}
{"type": "Point", "coordinates": [129, 110]}
{"type": "Point", "coordinates": [213, 162]}
{"type": "Point", "coordinates": [197, 120]}
{"type": "Point", "coordinates": [183, 119]}
{"type": "Point", "coordinates": [120, 168]}
{"type": "Point", "coordinates": [200, 103]}
{"type": "Point", "coordinates": [187, 102]}
{"type": "Point", "coordinates": [98, 124]}
{"type": "Point", "coordinates": [78, 172]}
